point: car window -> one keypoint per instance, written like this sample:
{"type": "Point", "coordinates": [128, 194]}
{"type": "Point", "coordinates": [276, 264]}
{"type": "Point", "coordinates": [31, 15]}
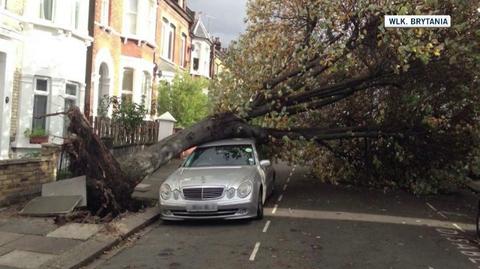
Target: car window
{"type": "Point", "coordinates": [228, 155]}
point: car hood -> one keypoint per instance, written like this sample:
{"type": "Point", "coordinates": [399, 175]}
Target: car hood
{"type": "Point", "coordinates": [211, 176]}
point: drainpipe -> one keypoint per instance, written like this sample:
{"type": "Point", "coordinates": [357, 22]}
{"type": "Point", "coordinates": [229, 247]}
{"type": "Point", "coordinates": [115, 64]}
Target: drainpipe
{"type": "Point", "coordinates": [89, 62]}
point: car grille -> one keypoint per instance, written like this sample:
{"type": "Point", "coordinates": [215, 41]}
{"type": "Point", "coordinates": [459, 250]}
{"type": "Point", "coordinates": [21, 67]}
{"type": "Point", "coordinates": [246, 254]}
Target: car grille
{"type": "Point", "coordinates": [202, 193]}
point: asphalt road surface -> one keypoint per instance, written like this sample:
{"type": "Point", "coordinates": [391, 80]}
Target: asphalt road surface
{"type": "Point", "coordinates": [312, 225]}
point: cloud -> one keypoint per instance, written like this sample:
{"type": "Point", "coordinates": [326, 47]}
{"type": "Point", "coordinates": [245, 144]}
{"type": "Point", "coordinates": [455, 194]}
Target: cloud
{"type": "Point", "coordinates": [223, 18]}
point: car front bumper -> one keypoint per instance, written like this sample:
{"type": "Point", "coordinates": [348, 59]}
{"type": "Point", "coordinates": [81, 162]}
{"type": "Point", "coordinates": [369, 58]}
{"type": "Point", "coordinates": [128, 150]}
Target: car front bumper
{"type": "Point", "coordinates": [225, 210]}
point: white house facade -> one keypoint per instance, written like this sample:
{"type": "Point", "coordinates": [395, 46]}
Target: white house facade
{"type": "Point", "coordinates": [201, 51]}
{"type": "Point", "coordinates": [10, 50]}
{"type": "Point", "coordinates": [53, 65]}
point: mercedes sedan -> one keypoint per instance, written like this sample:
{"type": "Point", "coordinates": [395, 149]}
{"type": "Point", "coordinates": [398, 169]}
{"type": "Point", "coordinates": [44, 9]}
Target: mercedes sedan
{"type": "Point", "coordinates": [225, 179]}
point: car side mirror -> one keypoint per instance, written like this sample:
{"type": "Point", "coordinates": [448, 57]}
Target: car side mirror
{"type": "Point", "coordinates": [265, 163]}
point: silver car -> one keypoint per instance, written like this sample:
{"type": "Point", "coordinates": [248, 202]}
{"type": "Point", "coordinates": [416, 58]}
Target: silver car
{"type": "Point", "coordinates": [224, 179]}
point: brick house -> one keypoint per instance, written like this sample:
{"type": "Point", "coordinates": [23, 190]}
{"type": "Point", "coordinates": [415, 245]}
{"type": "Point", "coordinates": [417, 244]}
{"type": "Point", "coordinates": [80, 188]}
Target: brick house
{"type": "Point", "coordinates": [136, 44]}
{"type": "Point", "coordinates": [121, 60]}
{"type": "Point", "coordinates": [173, 38]}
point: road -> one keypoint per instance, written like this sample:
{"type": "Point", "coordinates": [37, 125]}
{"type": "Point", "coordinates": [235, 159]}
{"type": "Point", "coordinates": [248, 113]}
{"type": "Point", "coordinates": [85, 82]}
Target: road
{"type": "Point", "coordinates": [308, 224]}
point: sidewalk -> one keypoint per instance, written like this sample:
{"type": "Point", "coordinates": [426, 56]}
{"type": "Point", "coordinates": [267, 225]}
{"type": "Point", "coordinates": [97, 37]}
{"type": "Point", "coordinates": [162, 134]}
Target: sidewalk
{"type": "Point", "coordinates": [28, 242]}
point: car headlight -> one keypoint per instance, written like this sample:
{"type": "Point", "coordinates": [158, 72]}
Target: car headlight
{"type": "Point", "coordinates": [176, 194]}
{"type": "Point", "coordinates": [230, 193]}
{"type": "Point", "coordinates": [165, 192]}
{"type": "Point", "coordinates": [244, 189]}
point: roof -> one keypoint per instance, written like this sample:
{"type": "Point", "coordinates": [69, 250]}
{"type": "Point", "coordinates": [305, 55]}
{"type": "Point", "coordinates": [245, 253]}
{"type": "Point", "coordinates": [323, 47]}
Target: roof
{"type": "Point", "coordinates": [200, 31]}
{"type": "Point", "coordinates": [167, 117]}
{"type": "Point", "coordinates": [232, 141]}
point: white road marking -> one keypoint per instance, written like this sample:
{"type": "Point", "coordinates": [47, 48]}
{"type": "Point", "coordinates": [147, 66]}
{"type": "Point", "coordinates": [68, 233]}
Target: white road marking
{"type": "Point", "coordinates": [274, 209]}
{"type": "Point", "coordinates": [458, 227]}
{"type": "Point", "coordinates": [285, 187]}
{"type": "Point", "coordinates": [293, 169]}
{"type": "Point", "coordinates": [280, 198]}
{"type": "Point", "coordinates": [254, 252]}
{"type": "Point", "coordinates": [436, 210]}
{"type": "Point", "coordinates": [288, 180]}
{"type": "Point", "coordinates": [431, 206]}
{"type": "Point", "coordinates": [266, 226]}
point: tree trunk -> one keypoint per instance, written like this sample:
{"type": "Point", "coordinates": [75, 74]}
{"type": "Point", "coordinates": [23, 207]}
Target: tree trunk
{"type": "Point", "coordinates": [111, 182]}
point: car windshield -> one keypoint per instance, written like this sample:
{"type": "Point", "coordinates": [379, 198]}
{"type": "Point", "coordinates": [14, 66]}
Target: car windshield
{"type": "Point", "coordinates": [227, 155]}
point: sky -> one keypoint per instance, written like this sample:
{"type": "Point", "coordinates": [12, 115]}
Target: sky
{"type": "Point", "coordinates": [223, 18]}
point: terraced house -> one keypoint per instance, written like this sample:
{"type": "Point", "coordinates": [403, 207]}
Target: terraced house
{"type": "Point", "coordinates": [136, 44]}
{"type": "Point", "coordinates": [43, 46]}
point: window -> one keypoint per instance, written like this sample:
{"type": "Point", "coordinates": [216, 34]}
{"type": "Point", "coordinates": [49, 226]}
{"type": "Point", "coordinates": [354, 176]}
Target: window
{"type": "Point", "coordinates": [40, 103]}
{"type": "Point", "coordinates": [168, 30]}
{"type": "Point", "coordinates": [131, 12]}
{"type": "Point", "coordinates": [196, 63]}
{"type": "Point", "coordinates": [47, 8]}
{"type": "Point", "coordinates": [146, 89]}
{"type": "Point", "coordinates": [183, 50]}
{"type": "Point", "coordinates": [76, 14]}
{"type": "Point", "coordinates": [71, 95]}
{"type": "Point", "coordinates": [105, 12]}
{"type": "Point", "coordinates": [151, 21]}
{"type": "Point", "coordinates": [228, 155]}
{"type": "Point", "coordinates": [127, 85]}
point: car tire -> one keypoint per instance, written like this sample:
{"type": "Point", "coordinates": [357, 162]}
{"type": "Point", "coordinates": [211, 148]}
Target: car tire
{"type": "Point", "coordinates": [259, 207]}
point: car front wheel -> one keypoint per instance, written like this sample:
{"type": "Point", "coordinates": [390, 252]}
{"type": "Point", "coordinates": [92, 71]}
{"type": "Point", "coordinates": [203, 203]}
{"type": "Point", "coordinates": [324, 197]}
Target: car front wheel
{"type": "Point", "coordinates": [259, 206]}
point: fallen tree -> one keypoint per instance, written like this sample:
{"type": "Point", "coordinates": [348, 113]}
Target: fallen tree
{"type": "Point", "coordinates": [303, 71]}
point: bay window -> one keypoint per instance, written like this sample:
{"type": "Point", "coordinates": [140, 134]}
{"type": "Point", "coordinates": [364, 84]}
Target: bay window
{"type": "Point", "coordinates": [168, 49]}
{"type": "Point", "coordinates": [47, 9]}
{"type": "Point", "coordinates": [127, 85]}
{"type": "Point", "coordinates": [183, 50]}
{"type": "Point", "coordinates": [151, 20]}
{"type": "Point", "coordinates": [71, 97]}
{"type": "Point", "coordinates": [105, 12]}
{"type": "Point", "coordinates": [146, 90]}
{"type": "Point", "coordinates": [131, 16]}
{"type": "Point", "coordinates": [76, 14]}
{"type": "Point", "coordinates": [40, 103]}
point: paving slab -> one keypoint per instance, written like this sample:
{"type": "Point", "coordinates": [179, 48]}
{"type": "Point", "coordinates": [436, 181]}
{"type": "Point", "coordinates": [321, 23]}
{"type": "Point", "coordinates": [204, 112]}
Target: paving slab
{"type": "Point", "coordinates": [32, 226]}
{"type": "Point", "coordinates": [76, 186]}
{"type": "Point", "coordinates": [42, 244]}
{"type": "Point", "coordinates": [80, 231]}
{"type": "Point", "coordinates": [51, 205]}
{"type": "Point", "coordinates": [6, 237]}
{"type": "Point", "coordinates": [25, 259]}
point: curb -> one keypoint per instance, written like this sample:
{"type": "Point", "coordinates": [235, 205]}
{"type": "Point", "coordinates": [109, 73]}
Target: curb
{"type": "Point", "coordinates": [89, 250]}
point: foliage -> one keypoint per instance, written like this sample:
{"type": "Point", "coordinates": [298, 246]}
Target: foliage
{"type": "Point", "coordinates": [185, 99]}
{"type": "Point", "coordinates": [128, 113]}
{"type": "Point", "coordinates": [37, 132]}
{"type": "Point", "coordinates": [362, 103]}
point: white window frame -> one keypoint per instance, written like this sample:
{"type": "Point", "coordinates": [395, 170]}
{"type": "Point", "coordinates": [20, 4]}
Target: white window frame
{"type": "Point", "coordinates": [130, 92]}
{"type": "Point", "coordinates": [3, 4]}
{"type": "Point", "coordinates": [152, 20]}
{"type": "Point", "coordinates": [73, 98]}
{"type": "Point", "coordinates": [147, 90]}
{"type": "Point", "coordinates": [127, 13]}
{"type": "Point", "coordinates": [41, 11]}
{"type": "Point", "coordinates": [76, 16]}
{"type": "Point", "coordinates": [105, 13]}
{"type": "Point", "coordinates": [183, 52]}
{"type": "Point", "coordinates": [41, 93]}
{"type": "Point", "coordinates": [168, 48]}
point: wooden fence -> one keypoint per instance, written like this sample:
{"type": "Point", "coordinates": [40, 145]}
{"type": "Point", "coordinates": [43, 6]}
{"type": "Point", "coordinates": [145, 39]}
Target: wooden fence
{"type": "Point", "coordinates": [145, 134]}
